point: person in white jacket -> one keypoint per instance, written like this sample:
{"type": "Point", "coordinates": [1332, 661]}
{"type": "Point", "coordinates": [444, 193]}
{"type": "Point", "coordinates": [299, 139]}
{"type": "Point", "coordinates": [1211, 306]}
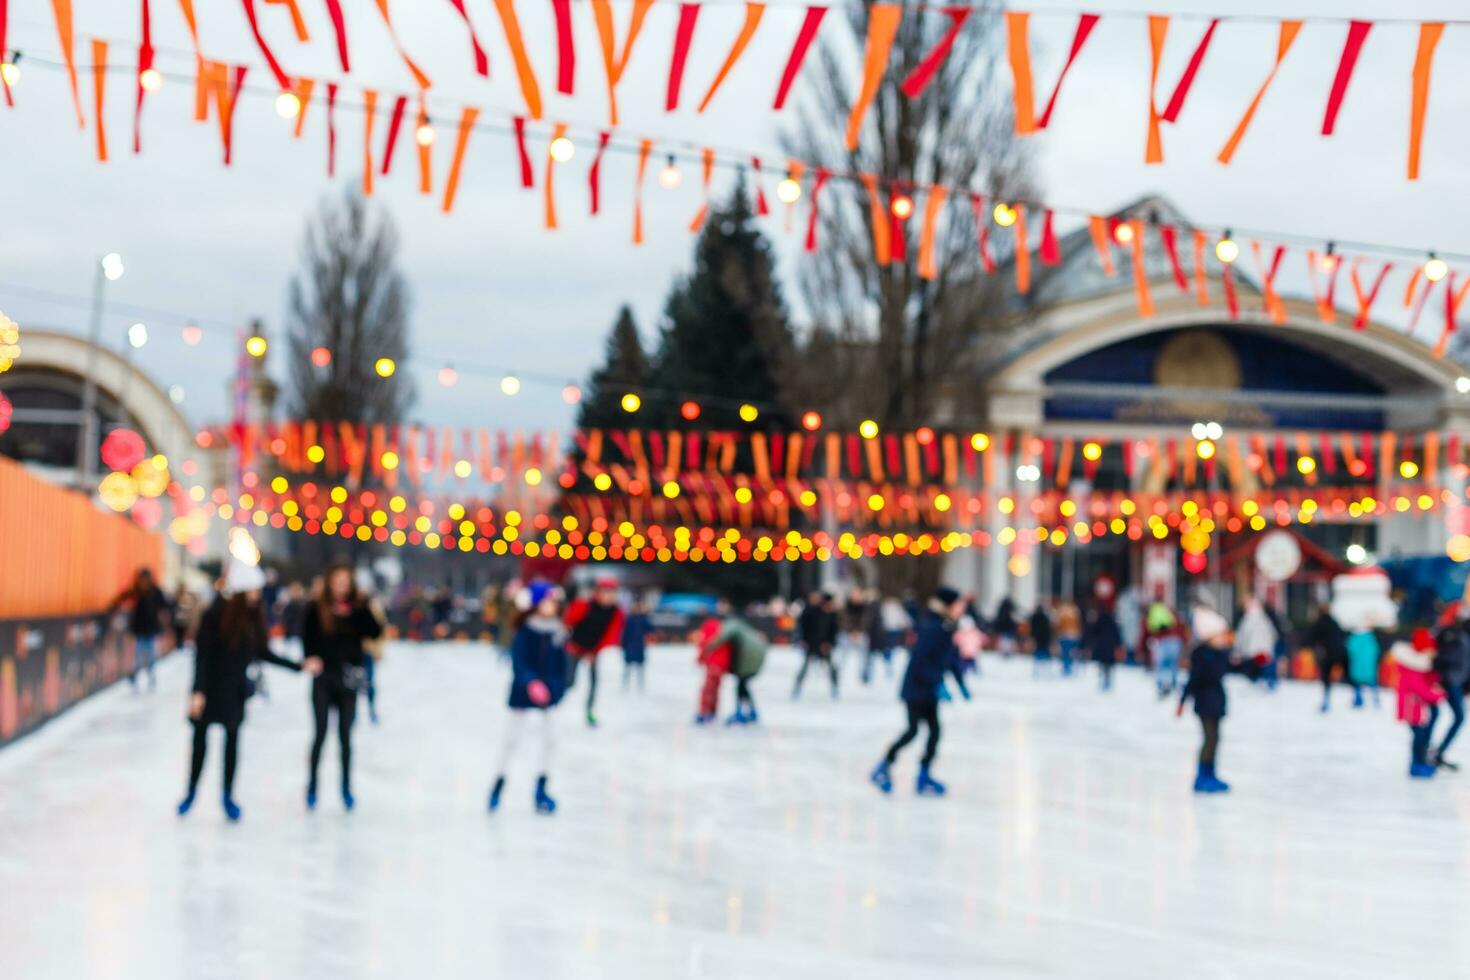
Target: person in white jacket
{"type": "Point", "coordinates": [1255, 635]}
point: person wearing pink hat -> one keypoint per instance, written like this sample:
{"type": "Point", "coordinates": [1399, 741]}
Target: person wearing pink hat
{"type": "Point", "coordinates": [594, 624]}
{"type": "Point", "coordinates": [1419, 696]}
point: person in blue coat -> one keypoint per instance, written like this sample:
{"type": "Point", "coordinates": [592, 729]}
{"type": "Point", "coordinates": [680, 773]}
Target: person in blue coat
{"type": "Point", "coordinates": [1209, 662]}
{"type": "Point", "coordinates": [931, 655]}
{"type": "Point", "coordinates": [636, 628]}
{"type": "Point", "coordinates": [539, 668]}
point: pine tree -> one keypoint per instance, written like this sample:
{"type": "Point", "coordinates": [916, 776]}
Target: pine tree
{"type": "Point", "coordinates": [624, 369]}
{"type": "Point", "coordinates": [725, 340]}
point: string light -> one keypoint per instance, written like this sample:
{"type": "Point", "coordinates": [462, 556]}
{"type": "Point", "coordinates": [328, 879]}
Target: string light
{"type": "Point", "coordinates": [1226, 250]}
{"type": "Point", "coordinates": [192, 334]}
{"type": "Point", "coordinates": [1435, 269]}
{"type": "Point", "coordinates": [631, 403]}
{"type": "Point", "coordinates": [1091, 451]}
{"type": "Point", "coordinates": [1123, 233]}
{"type": "Point", "coordinates": [868, 429]}
{"type": "Point", "coordinates": [385, 367]}
{"type": "Point", "coordinates": [150, 80]}
{"type": "Point", "coordinates": [1330, 258]}
{"type": "Point", "coordinates": [256, 346]}
{"type": "Point", "coordinates": [669, 176]}
{"type": "Point", "coordinates": [510, 385]}
{"type": "Point", "coordinates": [788, 191]}
{"type": "Point", "coordinates": [137, 336]}
{"type": "Point", "coordinates": [112, 266]}
{"type": "Point", "coordinates": [902, 206]}
{"type": "Point", "coordinates": [562, 149]}
{"type": "Point", "coordinates": [689, 411]}
{"type": "Point", "coordinates": [811, 421]}
{"type": "Point", "coordinates": [1408, 469]}
{"type": "Point", "coordinates": [749, 413]}
{"type": "Point", "coordinates": [1004, 215]}
{"type": "Point", "coordinates": [571, 394]}
{"type": "Point", "coordinates": [1205, 448]}
{"type": "Point", "coordinates": [424, 134]}
{"type": "Point", "coordinates": [448, 376]}
{"type": "Point", "coordinates": [979, 442]}
{"type": "Point", "coordinates": [288, 105]}
{"type": "Point", "coordinates": [1306, 465]}
{"type": "Point", "coordinates": [10, 71]}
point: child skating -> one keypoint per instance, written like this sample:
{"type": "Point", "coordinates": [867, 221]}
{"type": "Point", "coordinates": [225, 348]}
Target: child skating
{"type": "Point", "coordinates": [1209, 662]}
{"type": "Point", "coordinates": [538, 681]}
{"type": "Point", "coordinates": [932, 653]}
{"type": "Point", "coordinates": [1419, 696]}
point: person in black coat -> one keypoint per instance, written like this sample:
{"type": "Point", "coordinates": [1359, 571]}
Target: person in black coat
{"type": "Point", "coordinates": [540, 669]}
{"type": "Point", "coordinates": [1209, 662]}
{"type": "Point", "coordinates": [817, 628]}
{"type": "Point", "coordinates": [147, 614]}
{"type": "Point", "coordinates": [1041, 636]}
{"type": "Point", "coordinates": [1102, 640]}
{"type": "Point", "coordinates": [231, 637]}
{"type": "Point", "coordinates": [932, 654]}
{"type": "Point", "coordinates": [1329, 641]}
{"type": "Point", "coordinates": [1452, 664]}
{"type": "Point", "coordinates": [332, 634]}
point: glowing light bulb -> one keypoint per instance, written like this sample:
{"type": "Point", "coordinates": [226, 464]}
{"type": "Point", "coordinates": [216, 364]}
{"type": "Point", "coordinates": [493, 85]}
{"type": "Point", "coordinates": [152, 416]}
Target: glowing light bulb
{"type": "Point", "coordinates": [288, 105]}
{"type": "Point", "coordinates": [256, 346]}
{"type": "Point", "coordinates": [424, 134]}
{"type": "Point", "coordinates": [571, 394]}
{"type": "Point", "coordinates": [1123, 233]}
{"type": "Point", "coordinates": [902, 206]}
{"type": "Point", "coordinates": [1435, 269]}
{"type": "Point", "coordinates": [320, 357]}
{"type": "Point", "coordinates": [689, 411]}
{"type": "Point", "coordinates": [1226, 250]}
{"type": "Point", "coordinates": [562, 149]}
{"type": "Point", "coordinates": [631, 403]}
{"type": "Point", "coordinates": [510, 385]}
{"type": "Point", "coordinates": [811, 421]}
{"type": "Point", "coordinates": [192, 334]}
{"type": "Point", "coordinates": [868, 429]}
{"type": "Point", "coordinates": [385, 367]}
{"type": "Point", "coordinates": [1004, 215]}
{"type": "Point", "coordinates": [137, 335]}
{"type": "Point", "coordinates": [788, 191]}
{"type": "Point", "coordinates": [10, 72]}
{"type": "Point", "coordinates": [112, 266]}
{"type": "Point", "coordinates": [448, 376]}
{"type": "Point", "coordinates": [669, 176]}
{"type": "Point", "coordinates": [150, 79]}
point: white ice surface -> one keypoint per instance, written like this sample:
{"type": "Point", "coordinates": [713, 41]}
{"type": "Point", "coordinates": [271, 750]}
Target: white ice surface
{"type": "Point", "coordinates": [1070, 844]}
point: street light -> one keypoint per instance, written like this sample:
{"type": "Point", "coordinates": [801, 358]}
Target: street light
{"type": "Point", "coordinates": [109, 269]}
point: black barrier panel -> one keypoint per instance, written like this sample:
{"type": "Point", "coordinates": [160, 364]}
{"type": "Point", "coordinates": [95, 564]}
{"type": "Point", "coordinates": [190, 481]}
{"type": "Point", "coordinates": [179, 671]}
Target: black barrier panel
{"type": "Point", "coordinates": [48, 665]}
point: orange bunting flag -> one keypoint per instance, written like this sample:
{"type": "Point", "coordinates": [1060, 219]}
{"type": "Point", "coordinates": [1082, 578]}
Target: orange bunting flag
{"type": "Point", "coordinates": [703, 212]}
{"type": "Point", "coordinates": [1288, 32]}
{"type": "Point", "coordinates": [1023, 253]}
{"type": "Point", "coordinates": [1269, 297]}
{"type": "Point", "coordinates": [1140, 271]}
{"type": "Point", "coordinates": [1326, 307]}
{"type": "Point", "coordinates": [1201, 283]}
{"type": "Point", "coordinates": [1102, 244]}
{"type": "Point", "coordinates": [644, 148]}
{"type": "Point", "coordinates": [753, 14]}
{"type": "Point", "coordinates": [369, 115]}
{"type": "Point", "coordinates": [883, 20]}
{"type": "Point", "coordinates": [557, 132]}
{"type": "Point", "coordinates": [426, 170]}
{"type": "Point", "coordinates": [613, 62]}
{"type": "Point", "coordinates": [932, 208]}
{"type": "Point", "coordinates": [1158, 29]}
{"type": "Point", "coordinates": [461, 142]}
{"type": "Point", "coordinates": [1453, 298]}
{"type": "Point", "coordinates": [298, 23]}
{"type": "Point", "coordinates": [64, 35]}
{"type": "Point", "coordinates": [1365, 298]}
{"type": "Point", "coordinates": [1018, 48]}
{"type": "Point", "coordinates": [525, 74]}
{"type": "Point", "coordinates": [99, 85]}
{"type": "Point", "coordinates": [419, 77]}
{"type": "Point", "coordinates": [302, 88]}
{"type": "Point", "coordinates": [882, 254]}
{"type": "Point", "coordinates": [1429, 35]}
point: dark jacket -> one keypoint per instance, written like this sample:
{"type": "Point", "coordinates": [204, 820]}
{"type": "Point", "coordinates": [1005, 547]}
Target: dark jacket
{"type": "Point", "coordinates": [1328, 639]}
{"type": "Point", "coordinates": [1101, 636]}
{"type": "Point", "coordinates": [1005, 618]}
{"type": "Point", "coordinates": [817, 628]}
{"type": "Point", "coordinates": [1041, 629]}
{"type": "Point", "coordinates": [342, 647]}
{"type": "Point", "coordinates": [1207, 669]}
{"type": "Point", "coordinates": [148, 612]}
{"type": "Point", "coordinates": [1452, 656]}
{"type": "Point", "coordinates": [538, 654]}
{"type": "Point", "coordinates": [635, 637]}
{"type": "Point", "coordinates": [931, 654]}
{"type": "Point", "coordinates": [221, 664]}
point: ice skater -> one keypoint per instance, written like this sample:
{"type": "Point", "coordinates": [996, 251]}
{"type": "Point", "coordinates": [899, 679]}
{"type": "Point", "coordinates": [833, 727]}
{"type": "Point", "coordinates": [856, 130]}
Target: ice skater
{"type": "Point", "coordinates": [595, 624]}
{"type": "Point", "coordinates": [232, 635]}
{"type": "Point", "coordinates": [147, 608]}
{"type": "Point", "coordinates": [539, 672]}
{"type": "Point", "coordinates": [931, 655]}
{"type": "Point", "coordinates": [1452, 664]}
{"type": "Point", "coordinates": [1419, 696]}
{"type": "Point", "coordinates": [817, 629]}
{"type": "Point", "coordinates": [333, 633]}
{"type": "Point", "coordinates": [1164, 636]}
{"type": "Point", "coordinates": [745, 653]}
{"type": "Point", "coordinates": [636, 629]}
{"type": "Point", "coordinates": [1103, 642]}
{"type": "Point", "coordinates": [1329, 641]}
{"type": "Point", "coordinates": [1209, 662]}
{"type": "Point", "coordinates": [1363, 655]}
{"type": "Point", "coordinates": [1041, 637]}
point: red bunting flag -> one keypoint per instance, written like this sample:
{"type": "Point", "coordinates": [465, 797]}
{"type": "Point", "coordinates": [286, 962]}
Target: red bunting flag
{"type": "Point", "coordinates": [1285, 37]}
{"type": "Point", "coordinates": [528, 178]}
{"type": "Point", "coordinates": [823, 174]}
{"type": "Point", "coordinates": [1326, 304]}
{"type": "Point", "coordinates": [282, 79]}
{"type": "Point", "coordinates": [1051, 252]}
{"type": "Point", "coordinates": [1453, 297]}
{"type": "Point", "coordinates": [1158, 29]}
{"type": "Point", "coordinates": [753, 14]}
{"type": "Point", "coordinates": [339, 27]}
{"type": "Point", "coordinates": [883, 20]}
{"type": "Point", "coordinates": [594, 175]}
{"type": "Point", "coordinates": [683, 37]}
{"type": "Point", "coordinates": [761, 207]}
{"type": "Point", "coordinates": [1168, 235]}
{"type": "Point", "coordinates": [1019, 55]}
{"type": "Point", "coordinates": [1191, 69]}
{"type": "Point", "coordinates": [482, 61]}
{"type": "Point", "coordinates": [566, 50]}
{"type": "Point", "coordinates": [1085, 24]}
{"type": "Point", "coordinates": [1351, 48]}
{"type": "Point", "coordinates": [331, 129]}
{"type": "Point", "coordinates": [1429, 35]}
{"type": "Point", "coordinates": [4, 46]}
{"type": "Point", "coordinates": [145, 62]}
{"type": "Point", "coordinates": [918, 80]}
{"type": "Point", "coordinates": [804, 37]}
{"type": "Point", "coordinates": [1269, 297]}
{"type": "Point", "coordinates": [982, 234]}
{"type": "Point", "coordinates": [1365, 299]}
{"type": "Point", "coordinates": [395, 124]}
{"type": "Point", "coordinates": [898, 231]}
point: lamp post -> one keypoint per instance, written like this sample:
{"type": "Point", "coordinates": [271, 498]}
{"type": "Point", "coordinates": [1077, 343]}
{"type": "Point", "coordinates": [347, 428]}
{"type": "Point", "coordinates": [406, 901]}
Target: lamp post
{"type": "Point", "coordinates": [109, 269]}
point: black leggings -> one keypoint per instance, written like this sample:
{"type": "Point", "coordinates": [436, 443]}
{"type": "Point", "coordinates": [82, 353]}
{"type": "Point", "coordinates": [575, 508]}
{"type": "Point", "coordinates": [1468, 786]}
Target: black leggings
{"type": "Point", "coordinates": [201, 743]}
{"type": "Point", "coordinates": [806, 662]}
{"type": "Point", "coordinates": [742, 692]}
{"type": "Point", "coordinates": [928, 713]}
{"type": "Point", "coordinates": [326, 695]}
{"type": "Point", "coordinates": [1211, 728]}
{"type": "Point", "coordinates": [1325, 665]}
{"type": "Point", "coordinates": [591, 678]}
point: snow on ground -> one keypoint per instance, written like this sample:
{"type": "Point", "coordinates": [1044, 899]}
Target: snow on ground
{"type": "Point", "coordinates": [1070, 844]}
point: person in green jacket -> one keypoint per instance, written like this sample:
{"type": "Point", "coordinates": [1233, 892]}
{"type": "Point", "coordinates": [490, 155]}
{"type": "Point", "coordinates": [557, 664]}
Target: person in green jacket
{"type": "Point", "coordinates": [748, 647]}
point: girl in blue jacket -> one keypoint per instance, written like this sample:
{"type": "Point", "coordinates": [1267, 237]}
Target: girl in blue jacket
{"type": "Point", "coordinates": [538, 681]}
{"type": "Point", "coordinates": [932, 654]}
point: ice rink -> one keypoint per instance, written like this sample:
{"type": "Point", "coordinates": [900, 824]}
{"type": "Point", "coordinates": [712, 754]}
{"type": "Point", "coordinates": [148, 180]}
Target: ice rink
{"type": "Point", "coordinates": [1070, 844]}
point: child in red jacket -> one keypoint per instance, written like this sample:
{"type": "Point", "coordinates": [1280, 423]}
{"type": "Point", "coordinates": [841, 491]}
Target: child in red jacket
{"type": "Point", "coordinates": [1419, 696]}
{"type": "Point", "coordinates": [716, 663]}
{"type": "Point", "coordinates": [594, 624]}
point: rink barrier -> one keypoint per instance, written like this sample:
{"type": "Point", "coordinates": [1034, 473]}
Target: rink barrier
{"type": "Point", "coordinates": [48, 665]}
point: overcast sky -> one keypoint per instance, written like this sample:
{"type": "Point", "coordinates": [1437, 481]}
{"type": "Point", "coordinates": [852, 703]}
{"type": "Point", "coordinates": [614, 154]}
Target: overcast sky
{"type": "Point", "coordinates": [494, 291]}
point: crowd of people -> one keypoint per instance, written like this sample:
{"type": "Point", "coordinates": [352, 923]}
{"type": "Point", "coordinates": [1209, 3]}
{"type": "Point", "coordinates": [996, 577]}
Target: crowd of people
{"type": "Point", "coordinates": [335, 627]}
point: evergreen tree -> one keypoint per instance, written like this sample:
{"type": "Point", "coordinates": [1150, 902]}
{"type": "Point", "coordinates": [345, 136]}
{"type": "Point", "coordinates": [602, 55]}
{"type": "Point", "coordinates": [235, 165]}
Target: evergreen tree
{"type": "Point", "coordinates": [624, 369]}
{"type": "Point", "coordinates": [725, 340]}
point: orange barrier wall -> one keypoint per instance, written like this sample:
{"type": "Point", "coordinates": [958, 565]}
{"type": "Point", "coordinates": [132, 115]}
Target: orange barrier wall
{"type": "Point", "coordinates": [59, 554]}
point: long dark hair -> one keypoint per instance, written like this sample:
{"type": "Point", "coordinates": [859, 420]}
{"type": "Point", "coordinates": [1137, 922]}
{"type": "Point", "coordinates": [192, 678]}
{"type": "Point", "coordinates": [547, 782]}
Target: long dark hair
{"type": "Point", "coordinates": [242, 622]}
{"type": "Point", "coordinates": [325, 616]}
